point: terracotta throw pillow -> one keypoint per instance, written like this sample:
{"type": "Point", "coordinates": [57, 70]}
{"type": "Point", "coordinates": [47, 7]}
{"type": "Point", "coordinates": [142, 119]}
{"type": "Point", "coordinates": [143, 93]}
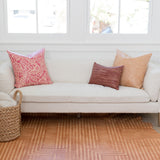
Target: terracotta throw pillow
{"type": "Point", "coordinates": [106, 76]}
{"type": "Point", "coordinates": [134, 69]}
{"type": "Point", "coordinates": [29, 70]}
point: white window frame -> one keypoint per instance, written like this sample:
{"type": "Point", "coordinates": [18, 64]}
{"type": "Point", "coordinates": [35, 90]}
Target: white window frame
{"type": "Point", "coordinates": [119, 20]}
{"type": "Point", "coordinates": [28, 37]}
{"type": "Point", "coordinates": [78, 21]}
{"type": "Point", "coordinates": [125, 38]}
{"type": "Point", "coordinates": [153, 36]}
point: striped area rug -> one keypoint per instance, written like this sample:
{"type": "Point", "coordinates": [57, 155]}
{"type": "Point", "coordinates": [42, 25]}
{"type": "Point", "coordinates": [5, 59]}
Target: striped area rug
{"type": "Point", "coordinates": [92, 137]}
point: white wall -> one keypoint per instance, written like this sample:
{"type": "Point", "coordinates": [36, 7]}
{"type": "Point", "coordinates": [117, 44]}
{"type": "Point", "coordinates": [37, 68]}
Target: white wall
{"type": "Point", "coordinates": [78, 40]}
{"type": "Point", "coordinates": [82, 49]}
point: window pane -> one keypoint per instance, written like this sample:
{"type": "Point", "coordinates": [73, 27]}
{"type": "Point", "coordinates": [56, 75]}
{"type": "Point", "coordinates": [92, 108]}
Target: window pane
{"type": "Point", "coordinates": [21, 16]}
{"type": "Point", "coordinates": [52, 16]}
{"type": "Point", "coordinates": [134, 16]}
{"type": "Point", "coordinates": [104, 16]}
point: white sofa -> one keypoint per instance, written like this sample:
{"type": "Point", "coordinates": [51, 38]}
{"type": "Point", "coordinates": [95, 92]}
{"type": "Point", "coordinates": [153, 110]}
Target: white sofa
{"type": "Point", "coordinates": [71, 92]}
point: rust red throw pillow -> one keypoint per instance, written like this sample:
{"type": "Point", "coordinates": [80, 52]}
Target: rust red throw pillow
{"type": "Point", "coordinates": [106, 76]}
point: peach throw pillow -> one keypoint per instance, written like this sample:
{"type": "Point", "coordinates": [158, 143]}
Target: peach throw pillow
{"type": "Point", "coordinates": [134, 69]}
{"type": "Point", "coordinates": [29, 70]}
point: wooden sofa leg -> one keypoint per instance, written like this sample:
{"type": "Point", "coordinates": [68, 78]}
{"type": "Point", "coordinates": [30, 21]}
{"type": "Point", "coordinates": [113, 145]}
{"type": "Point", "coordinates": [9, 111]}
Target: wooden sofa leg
{"type": "Point", "coordinates": [78, 115]}
{"type": "Point", "coordinates": [159, 119]}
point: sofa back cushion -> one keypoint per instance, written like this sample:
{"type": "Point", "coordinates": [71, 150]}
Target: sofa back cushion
{"type": "Point", "coordinates": [6, 78]}
{"type": "Point", "coordinates": [75, 69]}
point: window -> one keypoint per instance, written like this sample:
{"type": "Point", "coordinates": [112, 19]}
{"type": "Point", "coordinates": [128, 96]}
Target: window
{"type": "Point", "coordinates": [80, 21]}
{"type": "Point", "coordinates": [119, 16]}
{"type": "Point", "coordinates": [37, 16]}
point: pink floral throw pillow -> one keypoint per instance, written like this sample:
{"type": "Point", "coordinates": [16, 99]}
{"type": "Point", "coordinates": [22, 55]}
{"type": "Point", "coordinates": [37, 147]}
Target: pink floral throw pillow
{"type": "Point", "coordinates": [29, 70]}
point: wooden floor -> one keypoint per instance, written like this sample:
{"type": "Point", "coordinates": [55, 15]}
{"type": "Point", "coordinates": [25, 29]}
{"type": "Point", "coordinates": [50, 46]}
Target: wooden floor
{"type": "Point", "coordinates": [153, 119]}
{"type": "Point", "coordinates": [92, 137]}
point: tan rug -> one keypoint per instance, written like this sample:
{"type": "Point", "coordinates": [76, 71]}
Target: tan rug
{"type": "Point", "coordinates": [92, 137]}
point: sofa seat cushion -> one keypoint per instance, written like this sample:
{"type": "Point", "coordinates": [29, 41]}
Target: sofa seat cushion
{"type": "Point", "coordinates": [82, 93]}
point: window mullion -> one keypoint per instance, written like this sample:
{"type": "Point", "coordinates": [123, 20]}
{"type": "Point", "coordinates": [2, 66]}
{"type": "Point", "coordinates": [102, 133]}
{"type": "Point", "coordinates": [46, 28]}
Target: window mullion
{"type": "Point", "coordinates": [119, 16]}
{"type": "Point", "coordinates": [150, 17]}
{"type": "Point", "coordinates": [2, 20]}
{"type": "Point", "coordinates": [77, 19]}
{"type": "Point", "coordinates": [37, 30]}
{"type": "Point", "coordinates": [155, 24]}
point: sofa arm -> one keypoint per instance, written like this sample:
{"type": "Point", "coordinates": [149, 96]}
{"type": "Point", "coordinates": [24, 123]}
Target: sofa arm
{"type": "Point", "coordinates": [6, 78]}
{"type": "Point", "coordinates": [152, 82]}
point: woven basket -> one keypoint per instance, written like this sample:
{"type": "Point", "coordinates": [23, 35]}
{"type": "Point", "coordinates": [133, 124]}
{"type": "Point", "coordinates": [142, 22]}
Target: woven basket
{"type": "Point", "coordinates": [10, 120]}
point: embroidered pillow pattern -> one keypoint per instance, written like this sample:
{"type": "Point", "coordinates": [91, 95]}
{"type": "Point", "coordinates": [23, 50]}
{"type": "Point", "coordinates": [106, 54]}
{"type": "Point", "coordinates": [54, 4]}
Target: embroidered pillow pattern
{"type": "Point", "coordinates": [29, 70]}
